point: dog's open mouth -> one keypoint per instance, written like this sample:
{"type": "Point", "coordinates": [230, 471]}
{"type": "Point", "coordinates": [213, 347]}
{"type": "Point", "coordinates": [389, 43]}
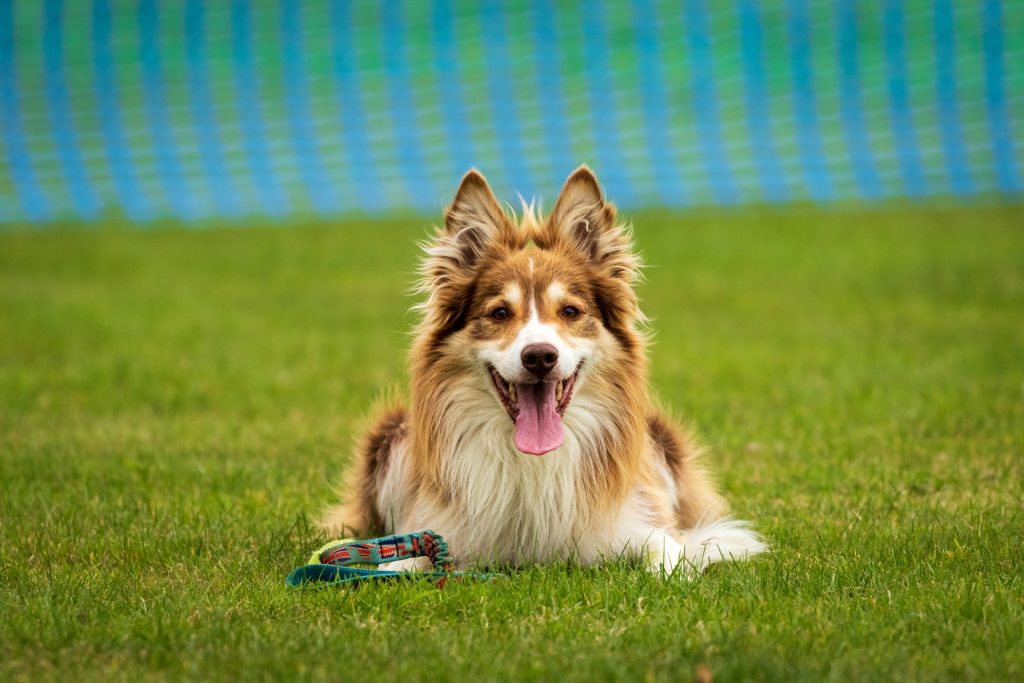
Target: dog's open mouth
{"type": "Point", "coordinates": [536, 409]}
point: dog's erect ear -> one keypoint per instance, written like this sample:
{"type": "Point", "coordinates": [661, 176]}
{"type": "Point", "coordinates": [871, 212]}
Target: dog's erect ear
{"type": "Point", "coordinates": [473, 224]}
{"type": "Point", "coordinates": [474, 220]}
{"type": "Point", "coordinates": [583, 219]}
{"type": "Point", "coordinates": [584, 222]}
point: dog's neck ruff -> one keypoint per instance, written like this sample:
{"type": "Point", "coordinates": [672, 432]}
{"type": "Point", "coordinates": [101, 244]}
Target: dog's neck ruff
{"type": "Point", "coordinates": [507, 506]}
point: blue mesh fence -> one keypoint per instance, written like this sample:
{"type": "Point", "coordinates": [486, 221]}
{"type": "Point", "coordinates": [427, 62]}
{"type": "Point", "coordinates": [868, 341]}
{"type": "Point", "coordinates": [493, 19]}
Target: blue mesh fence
{"type": "Point", "coordinates": [200, 110]}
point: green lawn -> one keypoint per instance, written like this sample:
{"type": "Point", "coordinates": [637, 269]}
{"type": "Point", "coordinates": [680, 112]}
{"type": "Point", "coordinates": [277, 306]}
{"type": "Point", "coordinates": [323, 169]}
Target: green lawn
{"type": "Point", "coordinates": [175, 407]}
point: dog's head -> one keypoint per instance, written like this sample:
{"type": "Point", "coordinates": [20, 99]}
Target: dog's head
{"type": "Point", "coordinates": [535, 311]}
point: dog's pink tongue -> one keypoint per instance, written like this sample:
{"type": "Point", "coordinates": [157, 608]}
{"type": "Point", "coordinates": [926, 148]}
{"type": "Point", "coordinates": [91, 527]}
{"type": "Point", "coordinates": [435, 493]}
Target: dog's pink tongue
{"type": "Point", "coordinates": [538, 425]}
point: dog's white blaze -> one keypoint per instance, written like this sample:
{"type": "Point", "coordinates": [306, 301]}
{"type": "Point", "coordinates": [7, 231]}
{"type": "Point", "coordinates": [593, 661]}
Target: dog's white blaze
{"type": "Point", "coordinates": [508, 360]}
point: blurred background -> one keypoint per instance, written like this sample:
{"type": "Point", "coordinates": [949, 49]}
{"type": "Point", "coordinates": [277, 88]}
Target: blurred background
{"type": "Point", "coordinates": [199, 110]}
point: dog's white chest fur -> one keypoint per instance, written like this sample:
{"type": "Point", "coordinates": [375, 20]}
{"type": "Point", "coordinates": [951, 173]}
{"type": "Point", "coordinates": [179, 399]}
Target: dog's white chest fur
{"type": "Point", "coordinates": [506, 506]}
{"type": "Point", "coordinates": [510, 507]}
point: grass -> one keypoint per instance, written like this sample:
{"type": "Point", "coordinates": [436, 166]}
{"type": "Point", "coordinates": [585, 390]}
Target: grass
{"type": "Point", "coordinates": [175, 407]}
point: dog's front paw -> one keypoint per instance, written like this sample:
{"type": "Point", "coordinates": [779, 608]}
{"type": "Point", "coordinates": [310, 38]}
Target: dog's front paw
{"type": "Point", "coordinates": [413, 564]}
{"type": "Point", "coordinates": [696, 549]}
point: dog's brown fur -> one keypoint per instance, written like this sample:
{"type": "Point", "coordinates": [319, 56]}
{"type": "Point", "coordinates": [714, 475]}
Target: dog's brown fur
{"type": "Point", "coordinates": [470, 264]}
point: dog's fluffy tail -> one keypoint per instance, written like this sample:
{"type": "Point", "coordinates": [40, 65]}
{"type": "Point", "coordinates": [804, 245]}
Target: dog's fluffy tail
{"type": "Point", "coordinates": [720, 541]}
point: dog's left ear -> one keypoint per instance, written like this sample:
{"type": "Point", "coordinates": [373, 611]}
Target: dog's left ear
{"type": "Point", "coordinates": [583, 219]}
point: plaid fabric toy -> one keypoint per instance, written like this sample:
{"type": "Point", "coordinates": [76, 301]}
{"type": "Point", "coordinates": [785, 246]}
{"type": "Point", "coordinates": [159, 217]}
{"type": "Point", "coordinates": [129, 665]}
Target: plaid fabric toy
{"type": "Point", "coordinates": [351, 561]}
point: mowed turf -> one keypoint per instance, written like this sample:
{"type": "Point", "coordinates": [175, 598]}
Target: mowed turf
{"type": "Point", "coordinates": [175, 407]}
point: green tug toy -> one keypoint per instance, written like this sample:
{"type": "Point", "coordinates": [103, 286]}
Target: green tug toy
{"type": "Point", "coordinates": [350, 561]}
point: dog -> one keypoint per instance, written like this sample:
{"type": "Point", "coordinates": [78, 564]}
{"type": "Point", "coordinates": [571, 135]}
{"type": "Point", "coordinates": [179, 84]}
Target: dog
{"type": "Point", "coordinates": [530, 436]}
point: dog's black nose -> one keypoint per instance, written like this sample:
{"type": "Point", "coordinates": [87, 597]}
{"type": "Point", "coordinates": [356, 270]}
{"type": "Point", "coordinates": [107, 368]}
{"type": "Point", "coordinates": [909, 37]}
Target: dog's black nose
{"type": "Point", "coordinates": [539, 359]}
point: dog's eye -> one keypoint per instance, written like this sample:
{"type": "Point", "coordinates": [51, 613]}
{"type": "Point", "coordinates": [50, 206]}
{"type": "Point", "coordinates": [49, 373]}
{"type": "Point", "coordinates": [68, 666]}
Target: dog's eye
{"type": "Point", "coordinates": [570, 311]}
{"type": "Point", "coordinates": [500, 313]}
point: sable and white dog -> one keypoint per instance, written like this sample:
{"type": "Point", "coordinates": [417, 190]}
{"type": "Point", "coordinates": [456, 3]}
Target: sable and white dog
{"type": "Point", "coordinates": [530, 436]}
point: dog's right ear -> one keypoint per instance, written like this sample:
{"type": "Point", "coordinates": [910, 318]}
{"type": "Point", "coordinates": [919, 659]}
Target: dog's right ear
{"type": "Point", "coordinates": [474, 221]}
{"type": "Point", "coordinates": [473, 224]}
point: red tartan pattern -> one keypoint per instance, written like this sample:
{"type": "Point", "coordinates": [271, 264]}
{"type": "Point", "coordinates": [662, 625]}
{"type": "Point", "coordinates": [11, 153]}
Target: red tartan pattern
{"type": "Point", "coordinates": [391, 549]}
